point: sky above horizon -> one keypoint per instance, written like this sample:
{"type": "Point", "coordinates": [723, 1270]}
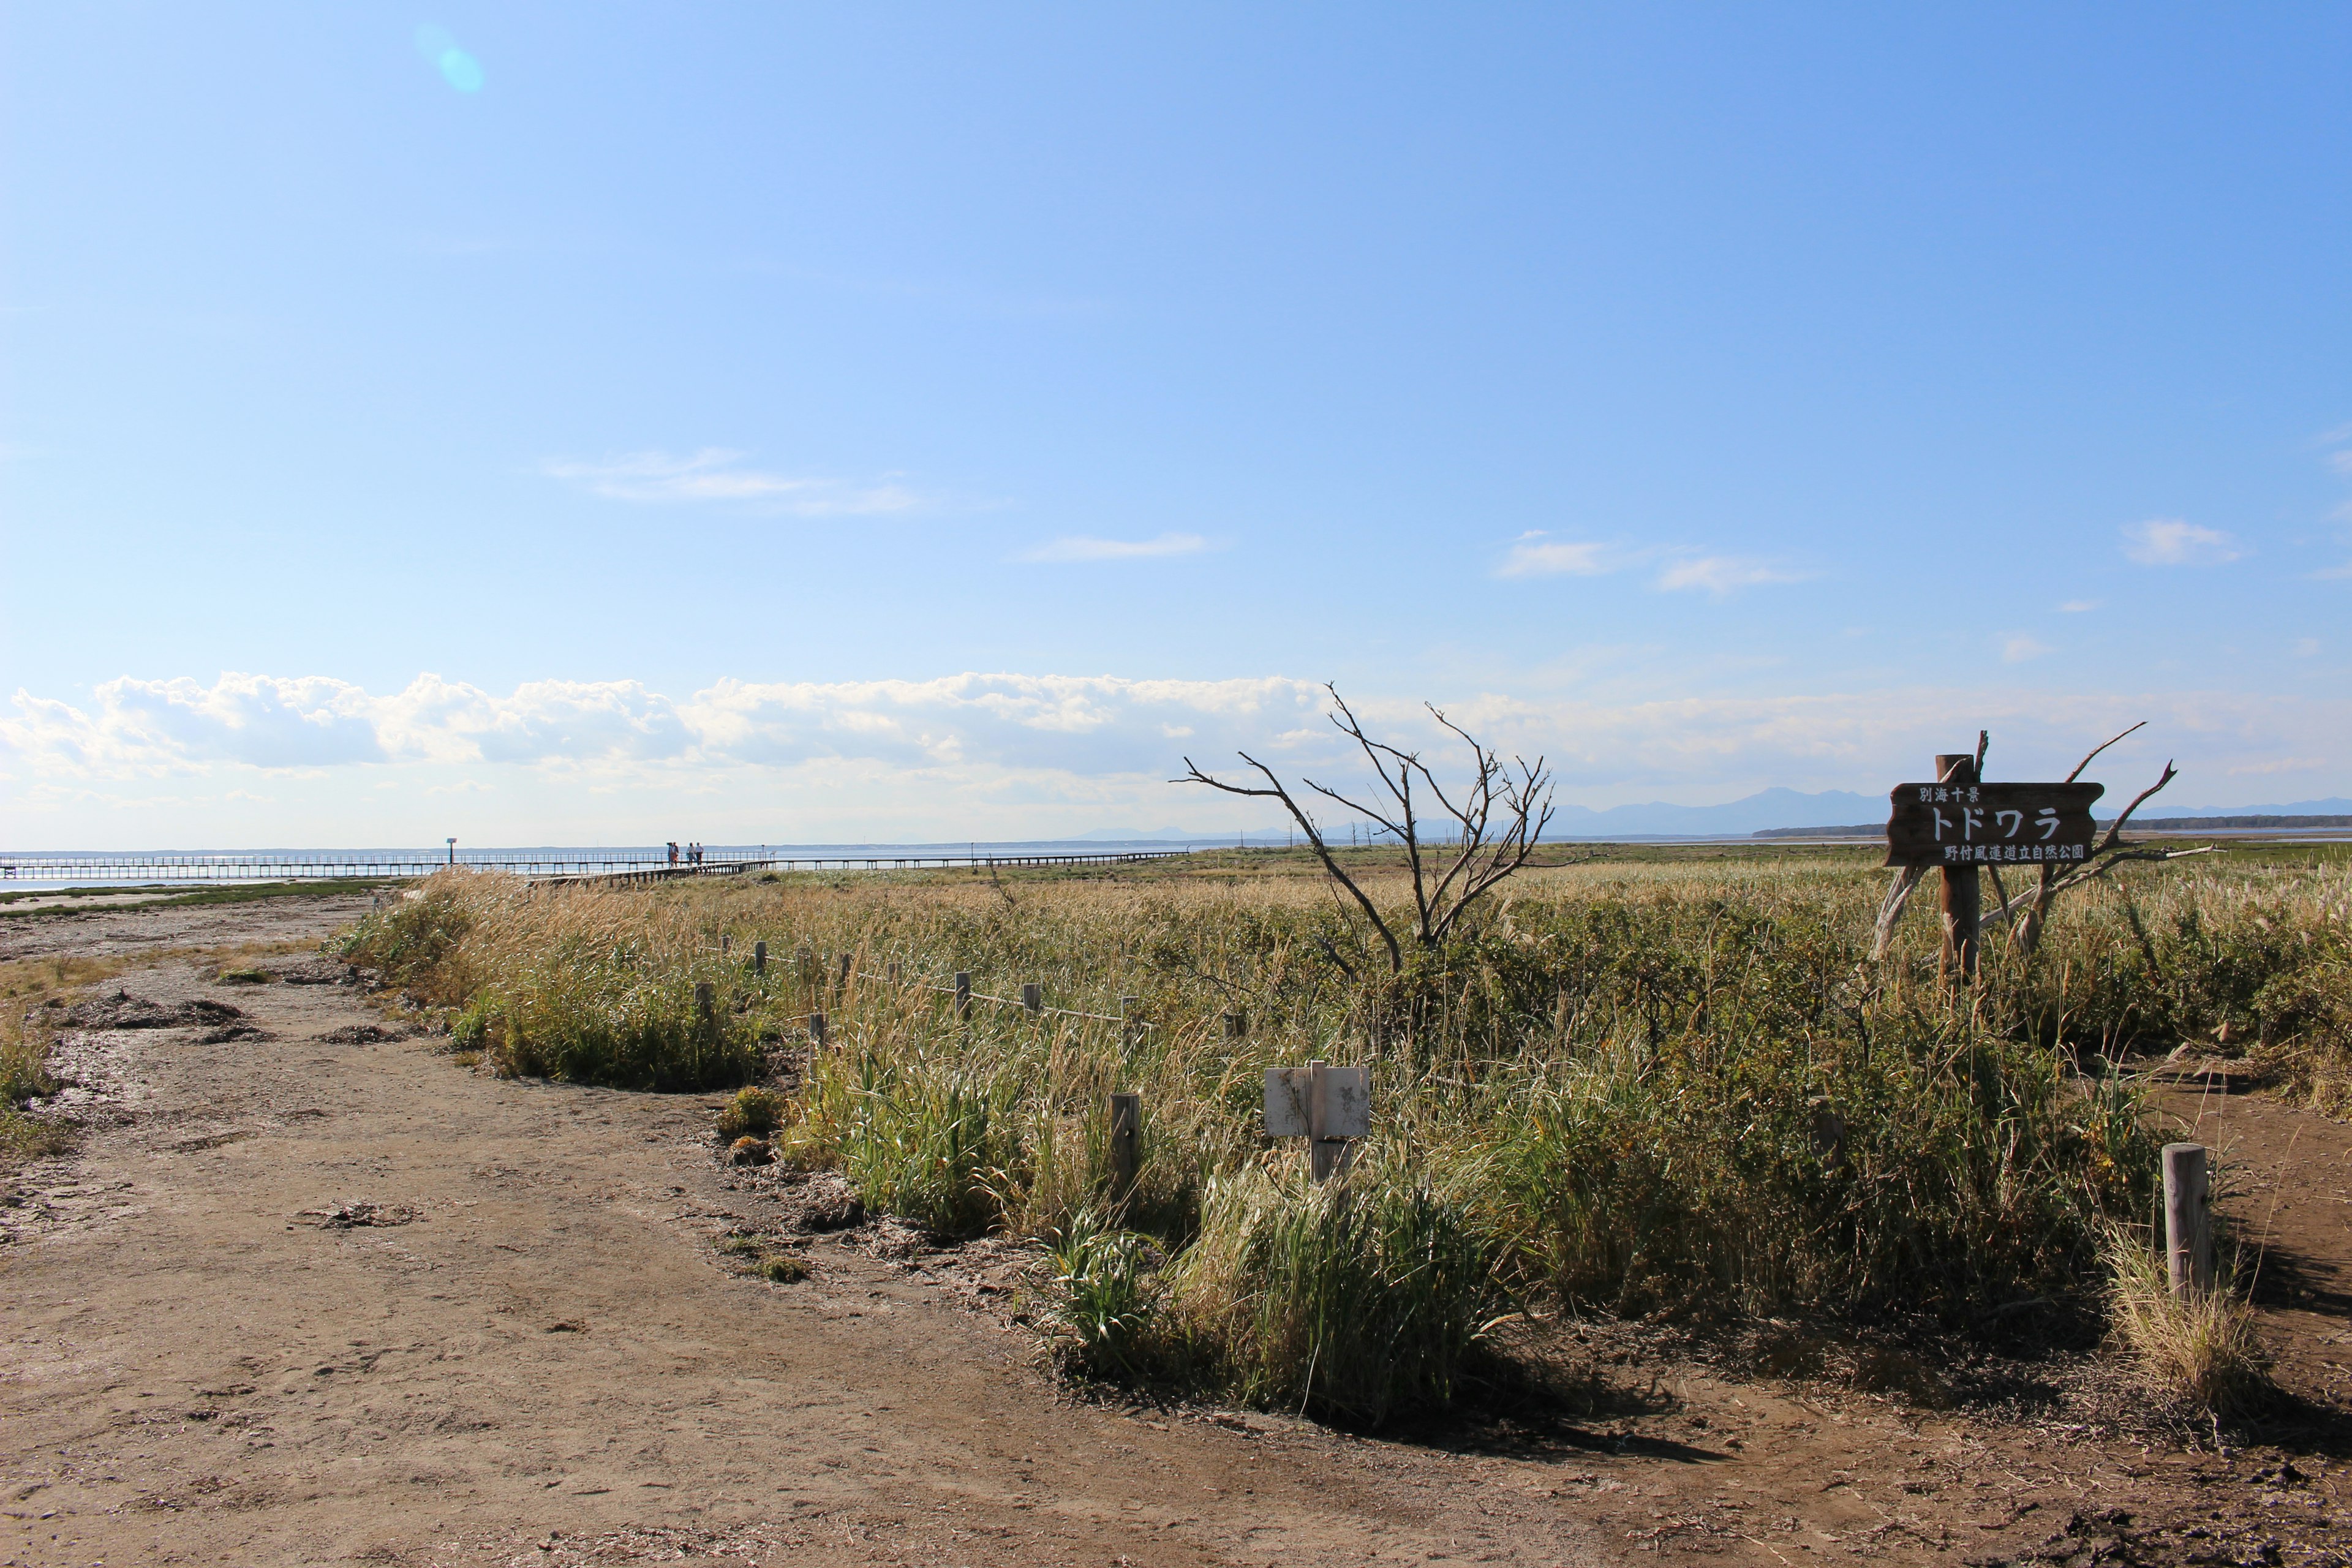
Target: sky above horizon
{"type": "Point", "coordinates": [778, 423]}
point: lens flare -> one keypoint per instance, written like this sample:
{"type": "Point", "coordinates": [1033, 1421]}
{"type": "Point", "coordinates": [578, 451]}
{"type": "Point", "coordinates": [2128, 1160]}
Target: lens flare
{"type": "Point", "coordinates": [461, 70]}
{"type": "Point", "coordinates": [458, 69]}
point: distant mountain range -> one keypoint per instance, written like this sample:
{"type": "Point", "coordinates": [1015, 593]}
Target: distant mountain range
{"type": "Point", "coordinates": [1767, 811]}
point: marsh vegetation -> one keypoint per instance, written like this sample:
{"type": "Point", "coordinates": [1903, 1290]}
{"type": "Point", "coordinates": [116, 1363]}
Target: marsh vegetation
{"type": "Point", "coordinates": [1647, 1084]}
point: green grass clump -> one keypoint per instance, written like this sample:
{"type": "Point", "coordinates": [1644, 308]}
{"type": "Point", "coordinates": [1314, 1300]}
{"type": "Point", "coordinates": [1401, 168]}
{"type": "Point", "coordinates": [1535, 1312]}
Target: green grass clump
{"type": "Point", "coordinates": [24, 1042]}
{"type": "Point", "coordinates": [752, 1113]}
{"type": "Point", "coordinates": [244, 977]}
{"type": "Point", "coordinates": [1103, 1299]}
{"type": "Point", "coordinates": [1360, 1298]}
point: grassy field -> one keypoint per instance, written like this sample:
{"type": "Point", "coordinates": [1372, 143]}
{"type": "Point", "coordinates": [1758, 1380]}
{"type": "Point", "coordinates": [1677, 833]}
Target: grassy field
{"type": "Point", "coordinates": [1654, 1081]}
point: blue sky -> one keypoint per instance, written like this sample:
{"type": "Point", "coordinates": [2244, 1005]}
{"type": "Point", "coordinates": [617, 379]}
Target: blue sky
{"type": "Point", "coordinates": [765, 422]}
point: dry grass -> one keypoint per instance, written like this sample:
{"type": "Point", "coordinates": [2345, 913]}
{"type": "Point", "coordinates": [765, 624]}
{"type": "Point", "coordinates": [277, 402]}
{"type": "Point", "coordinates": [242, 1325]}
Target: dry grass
{"type": "Point", "coordinates": [1640, 1084]}
{"type": "Point", "coordinates": [2200, 1349]}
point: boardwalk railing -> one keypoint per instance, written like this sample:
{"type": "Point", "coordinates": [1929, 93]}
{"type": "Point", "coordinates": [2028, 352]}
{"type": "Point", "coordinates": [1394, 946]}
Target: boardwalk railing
{"type": "Point", "coordinates": [618, 869]}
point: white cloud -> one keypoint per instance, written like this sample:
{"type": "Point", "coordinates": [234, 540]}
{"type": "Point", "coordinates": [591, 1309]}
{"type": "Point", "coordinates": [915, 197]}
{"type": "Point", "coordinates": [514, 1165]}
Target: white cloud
{"type": "Point", "coordinates": [2169, 541]}
{"type": "Point", "coordinates": [1080, 547]}
{"type": "Point", "coordinates": [1721, 574]}
{"type": "Point", "coordinates": [2018, 648]}
{"type": "Point", "coordinates": [717, 474]}
{"type": "Point", "coordinates": [1534, 554]}
{"type": "Point", "coordinates": [2080, 606]}
{"type": "Point", "coordinates": [989, 755]}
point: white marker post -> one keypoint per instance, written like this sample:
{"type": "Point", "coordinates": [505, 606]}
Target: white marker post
{"type": "Point", "coordinates": [1330, 1107]}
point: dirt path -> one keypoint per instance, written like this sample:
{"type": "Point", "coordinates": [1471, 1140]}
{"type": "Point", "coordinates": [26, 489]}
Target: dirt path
{"type": "Point", "coordinates": [541, 1355]}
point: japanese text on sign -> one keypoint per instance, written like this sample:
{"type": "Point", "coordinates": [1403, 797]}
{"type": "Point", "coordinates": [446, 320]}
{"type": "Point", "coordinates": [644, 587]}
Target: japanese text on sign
{"type": "Point", "coordinates": [1972, 824]}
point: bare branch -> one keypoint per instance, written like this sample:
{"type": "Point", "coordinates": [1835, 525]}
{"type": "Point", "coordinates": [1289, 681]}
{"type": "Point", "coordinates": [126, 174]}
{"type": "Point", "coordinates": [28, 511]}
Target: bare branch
{"type": "Point", "coordinates": [2114, 831]}
{"type": "Point", "coordinates": [1314, 836]}
{"type": "Point", "coordinates": [2101, 747]}
{"type": "Point", "coordinates": [1496, 825]}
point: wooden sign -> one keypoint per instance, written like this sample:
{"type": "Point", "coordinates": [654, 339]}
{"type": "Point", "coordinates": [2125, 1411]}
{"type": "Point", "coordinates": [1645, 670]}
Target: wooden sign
{"type": "Point", "coordinates": [1990, 824]}
{"type": "Point", "coordinates": [1291, 1109]}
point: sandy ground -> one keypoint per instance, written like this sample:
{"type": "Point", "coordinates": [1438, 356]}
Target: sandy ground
{"type": "Point", "coordinates": [311, 1296]}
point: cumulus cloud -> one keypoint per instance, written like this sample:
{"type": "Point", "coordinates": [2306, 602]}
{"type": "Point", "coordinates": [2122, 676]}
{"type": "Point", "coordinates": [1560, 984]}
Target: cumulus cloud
{"type": "Point", "coordinates": [714, 474]}
{"type": "Point", "coordinates": [1722, 574]}
{"type": "Point", "coordinates": [1080, 547]}
{"type": "Point", "coordinates": [1534, 554]}
{"type": "Point", "coordinates": [2170, 541]}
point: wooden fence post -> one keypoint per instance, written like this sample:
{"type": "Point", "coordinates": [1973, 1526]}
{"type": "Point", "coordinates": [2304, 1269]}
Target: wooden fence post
{"type": "Point", "coordinates": [722, 943]}
{"type": "Point", "coordinates": [1033, 996]}
{"type": "Point", "coordinates": [962, 994]}
{"type": "Point", "coordinates": [817, 1029]}
{"type": "Point", "coordinates": [704, 1002]}
{"type": "Point", "coordinates": [2187, 1220]}
{"type": "Point", "coordinates": [1238, 1025]}
{"type": "Point", "coordinates": [1130, 1015]}
{"type": "Point", "coordinates": [843, 984]}
{"type": "Point", "coordinates": [1962, 899]}
{"type": "Point", "coordinates": [1126, 1143]}
{"type": "Point", "coordinates": [759, 958]}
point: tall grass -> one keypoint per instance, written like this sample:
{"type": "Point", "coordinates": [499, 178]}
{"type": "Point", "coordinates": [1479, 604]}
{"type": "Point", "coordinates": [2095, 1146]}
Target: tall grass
{"type": "Point", "coordinates": [2202, 1348]}
{"type": "Point", "coordinates": [1656, 1086]}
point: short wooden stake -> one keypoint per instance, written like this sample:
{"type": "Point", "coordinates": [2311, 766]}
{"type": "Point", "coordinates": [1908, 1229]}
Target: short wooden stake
{"type": "Point", "coordinates": [1962, 897]}
{"type": "Point", "coordinates": [843, 984]}
{"type": "Point", "coordinates": [1237, 1026]}
{"type": "Point", "coordinates": [894, 972]}
{"type": "Point", "coordinates": [1130, 1015]}
{"type": "Point", "coordinates": [1033, 996]}
{"type": "Point", "coordinates": [1126, 1143]}
{"type": "Point", "coordinates": [2187, 1220]}
{"type": "Point", "coordinates": [962, 994]}
{"type": "Point", "coordinates": [723, 942]}
{"type": "Point", "coordinates": [759, 958]}
{"type": "Point", "coordinates": [817, 1028]}
{"type": "Point", "coordinates": [704, 1000]}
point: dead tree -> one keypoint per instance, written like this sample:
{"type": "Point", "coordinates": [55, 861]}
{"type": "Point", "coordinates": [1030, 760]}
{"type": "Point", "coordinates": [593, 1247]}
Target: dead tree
{"type": "Point", "coordinates": [1486, 837]}
{"type": "Point", "coordinates": [2027, 912]}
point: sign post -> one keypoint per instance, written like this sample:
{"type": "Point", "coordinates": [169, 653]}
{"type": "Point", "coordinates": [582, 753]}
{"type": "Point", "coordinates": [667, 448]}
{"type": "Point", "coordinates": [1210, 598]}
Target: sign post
{"type": "Point", "coordinates": [1963, 893]}
{"type": "Point", "coordinates": [1960, 824]}
{"type": "Point", "coordinates": [1330, 1107]}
